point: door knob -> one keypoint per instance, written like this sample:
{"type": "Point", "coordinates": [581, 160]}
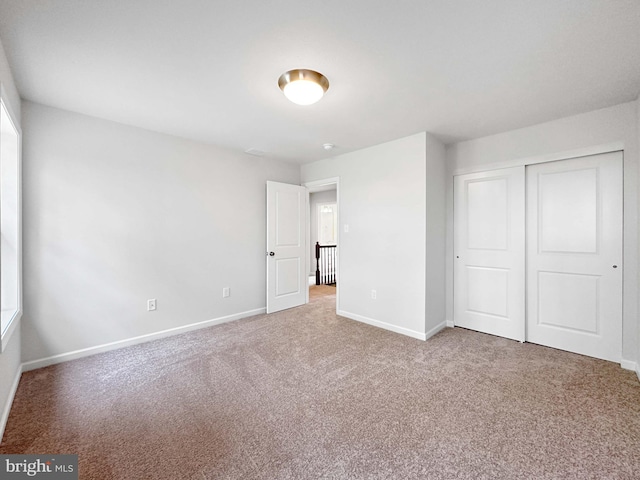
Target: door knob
{"type": "Point", "coordinates": [615, 266]}
{"type": "Point", "coordinates": [271, 254]}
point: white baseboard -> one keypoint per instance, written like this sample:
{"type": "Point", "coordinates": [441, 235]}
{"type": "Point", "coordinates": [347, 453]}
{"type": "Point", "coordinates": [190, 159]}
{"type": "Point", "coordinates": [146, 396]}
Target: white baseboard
{"type": "Point", "coordinates": [7, 407]}
{"type": "Point", "coordinates": [629, 365]}
{"type": "Point", "coordinates": [435, 330]}
{"type": "Point", "coordinates": [384, 325]}
{"type": "Point", "coordinates": [450, 323]}
{"type": "Point", "coordinates": [85, 352]}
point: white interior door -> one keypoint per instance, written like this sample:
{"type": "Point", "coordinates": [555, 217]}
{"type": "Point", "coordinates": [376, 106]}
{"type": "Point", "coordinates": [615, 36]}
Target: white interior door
{"type": "Point", "coordinates": [489, 290]}
{"type": "Point", "coordinates": [286, 246]}
{"type": "Point", "coordinates": [574, 255]}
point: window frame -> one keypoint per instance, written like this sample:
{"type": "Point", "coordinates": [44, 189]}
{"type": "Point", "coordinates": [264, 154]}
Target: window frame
{"type": "Point", "coordinates": [9, 330]}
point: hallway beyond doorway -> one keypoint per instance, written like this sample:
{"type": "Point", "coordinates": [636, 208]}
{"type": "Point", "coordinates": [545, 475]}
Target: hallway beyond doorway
{"type": "Point", "coordinates": [321, 291]}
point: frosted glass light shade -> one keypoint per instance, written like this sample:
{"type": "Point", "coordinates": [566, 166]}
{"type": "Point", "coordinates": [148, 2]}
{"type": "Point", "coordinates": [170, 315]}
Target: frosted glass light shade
{"type": "Point", "coordinates": [303, 87]}
{"type": "Point", "coordinates": [303, 92]}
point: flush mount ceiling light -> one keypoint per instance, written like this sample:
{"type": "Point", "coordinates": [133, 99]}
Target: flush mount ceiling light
{"type": "Point", "coordinates": [303, 87]}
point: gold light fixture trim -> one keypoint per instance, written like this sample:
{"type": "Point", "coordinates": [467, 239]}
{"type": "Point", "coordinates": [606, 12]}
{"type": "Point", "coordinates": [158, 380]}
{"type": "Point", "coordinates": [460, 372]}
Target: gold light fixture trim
{"type": "Point", "coordinates": [303, 87]}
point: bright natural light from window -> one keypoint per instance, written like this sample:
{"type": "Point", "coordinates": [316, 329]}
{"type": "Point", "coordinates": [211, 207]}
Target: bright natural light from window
{"type": "Point", "coordinates": [9, 221]}
{"type": "Point", "coordinates": [327, 224]}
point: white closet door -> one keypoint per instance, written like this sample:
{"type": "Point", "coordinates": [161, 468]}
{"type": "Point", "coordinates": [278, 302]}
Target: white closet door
{"type": "Point", "coordinates": [489, 289]}
{"type": "Point", "coordinates": [574, 255]}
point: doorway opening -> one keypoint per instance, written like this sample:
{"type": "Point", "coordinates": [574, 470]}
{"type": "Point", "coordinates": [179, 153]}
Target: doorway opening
{"type": "Point", "coordinates": [323, 236]}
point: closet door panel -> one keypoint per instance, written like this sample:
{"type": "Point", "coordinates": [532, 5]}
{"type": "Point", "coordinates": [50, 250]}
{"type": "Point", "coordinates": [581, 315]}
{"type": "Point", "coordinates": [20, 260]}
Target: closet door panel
{"type": "Point", "coordinates": [574, 255]}
{"type": "Point", "coordinates": [489, 277]}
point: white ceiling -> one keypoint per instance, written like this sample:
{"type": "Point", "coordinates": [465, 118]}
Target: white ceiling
{"type": "Point", "coordinates": [208, 70]}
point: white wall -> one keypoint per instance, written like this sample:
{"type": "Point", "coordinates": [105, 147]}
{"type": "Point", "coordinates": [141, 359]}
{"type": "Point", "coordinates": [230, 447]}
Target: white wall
{"type": "Point", "coordinates": [9, 372]}
{"type": "Point", "coordinates": [116, 215]}
{"type": "Point", "coordinates": [315, 198]}
{"type": "Point", "coordinates": [435, 308]}
{"type": "Point", "coordinates": [638, 325]}
{"type": "Point", "coordinates": [10, 357]}
{"type": "Point", "coordinates": [382, 200]}
{"type": "Point", "coordinates": [8, 86]}
{"type": "Point", "coordinates": [611, 128]}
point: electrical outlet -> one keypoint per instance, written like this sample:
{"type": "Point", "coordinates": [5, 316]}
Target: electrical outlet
{"type": "Point", "coordinates": [151, 304]}
{"type": "Point", "coordinates": [374, 294]}
{"type": "Point", "coordinates": [226, 292]}
{"type": "Point", "coordinates": [346, 228]}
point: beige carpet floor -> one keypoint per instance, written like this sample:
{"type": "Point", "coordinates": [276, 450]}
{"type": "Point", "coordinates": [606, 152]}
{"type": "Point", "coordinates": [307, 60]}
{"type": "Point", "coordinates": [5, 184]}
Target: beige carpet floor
{"type": "Point", "coordinates": [304, 394]}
